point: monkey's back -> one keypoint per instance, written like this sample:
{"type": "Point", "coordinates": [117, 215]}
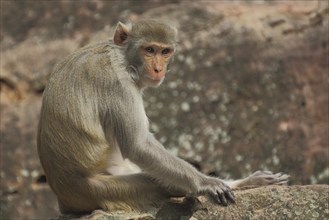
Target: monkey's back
{"type": "Point", "coordinates": [71, 139]}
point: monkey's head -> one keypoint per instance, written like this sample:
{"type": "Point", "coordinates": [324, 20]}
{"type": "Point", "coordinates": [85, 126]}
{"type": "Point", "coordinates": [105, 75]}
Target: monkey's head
{"type": "Point", "coordinates": [149, 46]}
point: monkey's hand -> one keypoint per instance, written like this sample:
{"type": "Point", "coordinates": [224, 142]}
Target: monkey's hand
{"type": "Point", "coordinates": [262, 178]}
{"type": "Point", "coordinates": [217, 190]}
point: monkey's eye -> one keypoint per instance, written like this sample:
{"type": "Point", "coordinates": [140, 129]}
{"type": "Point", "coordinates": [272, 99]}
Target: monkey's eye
{"type": "Point", "coordinates": [166, 51]}
{"type": "Point", "coordinates": [149, 49]}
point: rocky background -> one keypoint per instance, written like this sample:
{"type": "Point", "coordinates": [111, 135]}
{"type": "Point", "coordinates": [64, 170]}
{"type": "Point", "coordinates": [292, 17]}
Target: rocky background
{"type": "Point", "coordinates": [248, 88]}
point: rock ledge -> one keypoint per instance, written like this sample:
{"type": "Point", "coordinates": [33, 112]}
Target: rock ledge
{"type": "Point", "coordinates": [271, 202]}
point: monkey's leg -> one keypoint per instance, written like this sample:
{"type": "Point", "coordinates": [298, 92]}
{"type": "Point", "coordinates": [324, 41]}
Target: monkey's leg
{"type": "Point", "coordinates": [125, 192]}
{"type": "Point", "coordinates": [259, 178]}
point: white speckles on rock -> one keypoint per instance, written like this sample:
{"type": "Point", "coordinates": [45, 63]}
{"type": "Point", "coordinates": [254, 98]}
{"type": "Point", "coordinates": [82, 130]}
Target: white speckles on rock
{"type": "Point", "coordinates": [198, 158]}
{"type": "Point", "coordinates": [214, 97]}
{"type": "Point", "coordinates": [223, 107]}
{"type": "Point", "coordinates": [211, 147]}
{"type": "Point", "coordinates": [175, 93]}
{"type": "Point", "coordinates": [173, 122]}
{"type": "Point", "coordinates": [324, 174]}
{"type": "Point", "coordinates": [224, 120]}
{"type": "Point", "coordinates": [208, 131]}
{"type": "Point", "coordinates": [238, 158]}
{"type": "Point", "coordinates": [185, 107]}
{"type": "Point", "coordinates": [194, 86]}
{"type": "Point", "coordinates": [199, 146]}
{"type": "Point", "coordinates": [163, 139]}
{"type": "Point", "coordinates": [173, 108]}
{"type": "Point", "coordinates": [173, 151]}
{"type": "Point", "coordinates": [190, 154]}
{"type": "Point", "coordinates": [298, 211]}
{"type": "Point", "coordinates": [208, 64]}
{"type": "Point", "coordinates": [189, 62]}
{"type": "Point", "coordinates": [28, 202]}
{"type": "Point", "coordinates": [254, 108]}
{"type": "Point", "coordinates": [248, 167]}
{"type": "Point", "coordinates": [195, 99]}
{"type": "Point", "coordinates": [201, 52]}
{"type": "Point", "coordinates": [184, 141]}
{"type": "Point", "coordinates": [226, 140]}
{"type": "Point", "coordinates": [35, 173]}
{"type": "Point", "coordinates": [315, 215]}
{"type": "Point", "coordinates": [276, 160]}
{"type": "Point", "coordinates": [173, 85]}
{"type": "Point", "coordinates": [25, 173]}
{"type": "Point", "coordinates": [228, 59]}
{"type": "Point", "coordinates": [196, 131]}
{"type": "Point", "coordinates": [212, 116]}
{"type": "Point", "coordinates": [180, 57]}
{"type": "Point", "coordinates": [218, 165]}
{"type": "Point", "coordinates": [159, 105]}
{"type": "Point", "coordinates": [154, 128]}
{"type": "Point", "coordinates": [152, 99]}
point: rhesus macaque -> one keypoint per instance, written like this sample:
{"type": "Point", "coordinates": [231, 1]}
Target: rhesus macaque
{"type": "Point", "coordinates": [94, 141]}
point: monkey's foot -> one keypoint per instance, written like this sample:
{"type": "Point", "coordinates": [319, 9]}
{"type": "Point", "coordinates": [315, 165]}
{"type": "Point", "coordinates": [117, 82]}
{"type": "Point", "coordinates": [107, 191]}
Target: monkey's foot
{"type": "Point", "coordinates": [263, 178]}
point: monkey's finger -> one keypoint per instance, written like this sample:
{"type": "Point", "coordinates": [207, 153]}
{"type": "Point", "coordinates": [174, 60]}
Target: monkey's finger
{"type": "Point", "coordinates": [277, 179]}
{"type": "Point", "coordinates": [222, 198]}
{"type": "Point", "coordinates": [281, 176]}
{"type": "Point", "coordinates": [285, 182]}
{"type": "Point", "coordinates": [230, 196]}
{"type": "Point", "coordinates": [278, 174]}
{"type": "Point", "coordinates": [215, 197]}
{"type": "Point", "coordinates": [284, 177]}
{"type": "Point", "coordinates": [273, 177]}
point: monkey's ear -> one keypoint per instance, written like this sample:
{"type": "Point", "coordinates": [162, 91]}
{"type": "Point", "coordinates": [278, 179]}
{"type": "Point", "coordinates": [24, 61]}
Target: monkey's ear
{"type": "Point", "coordinates": [121, 34]}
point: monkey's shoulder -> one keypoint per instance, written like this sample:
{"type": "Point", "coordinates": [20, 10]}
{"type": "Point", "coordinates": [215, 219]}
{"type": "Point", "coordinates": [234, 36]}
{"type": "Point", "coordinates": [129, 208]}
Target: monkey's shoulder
{"type": "Point", "coordinates": [96, 48]}
{"type": "Point", "coordinates": [92, 57]}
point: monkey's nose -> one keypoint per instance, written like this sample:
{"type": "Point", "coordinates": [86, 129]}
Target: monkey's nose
{"type": "Point", "coordinates": [157, 69]}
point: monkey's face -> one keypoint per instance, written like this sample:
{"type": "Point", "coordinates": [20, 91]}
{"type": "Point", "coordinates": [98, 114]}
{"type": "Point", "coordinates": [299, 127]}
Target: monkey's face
{"type": "Point", "coordinates": [149, 46]}
{"type": "Point", "coordinates": [155, 58]}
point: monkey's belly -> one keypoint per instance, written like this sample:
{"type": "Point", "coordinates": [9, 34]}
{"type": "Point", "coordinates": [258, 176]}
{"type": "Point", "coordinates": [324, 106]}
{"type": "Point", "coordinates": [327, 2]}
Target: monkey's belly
{"type": "Point", "coordinates": [117, 165]}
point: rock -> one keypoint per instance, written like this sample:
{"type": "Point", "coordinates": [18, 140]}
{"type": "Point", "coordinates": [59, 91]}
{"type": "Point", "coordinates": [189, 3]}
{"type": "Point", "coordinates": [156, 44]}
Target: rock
{"type": "Point", "coordinates": [271, 202]}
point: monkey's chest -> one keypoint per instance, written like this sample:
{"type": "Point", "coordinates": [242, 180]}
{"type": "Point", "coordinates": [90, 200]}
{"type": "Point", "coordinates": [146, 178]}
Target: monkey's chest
{"type": "Point", "coordinates": [117, 165]}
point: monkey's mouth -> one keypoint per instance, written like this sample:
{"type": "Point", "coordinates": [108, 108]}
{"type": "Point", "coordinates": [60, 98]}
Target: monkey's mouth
{"type": "Point", "coordinates": [154, 82]}
{"type": "Point", "coordinates": [155, 79]}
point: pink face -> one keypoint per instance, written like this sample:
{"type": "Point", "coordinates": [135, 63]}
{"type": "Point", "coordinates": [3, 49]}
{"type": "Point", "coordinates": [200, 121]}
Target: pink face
{"type": "Point", "coordinates": [156, 57]}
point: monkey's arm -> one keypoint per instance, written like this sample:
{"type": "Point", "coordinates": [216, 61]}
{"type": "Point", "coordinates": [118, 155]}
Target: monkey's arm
{"type": "Point", "coordinates": [175, 173]}
{"type": "Point", "coordinates": [129, 125]}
